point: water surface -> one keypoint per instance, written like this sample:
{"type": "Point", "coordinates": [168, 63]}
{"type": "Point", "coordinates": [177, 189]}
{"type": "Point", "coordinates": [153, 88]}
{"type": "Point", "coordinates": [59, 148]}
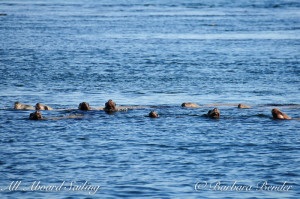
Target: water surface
{"type": "Point", "coordinates": [156, 54]}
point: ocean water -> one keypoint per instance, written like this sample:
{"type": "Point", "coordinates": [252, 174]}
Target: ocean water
{"type": "Point", "coordinates": [157, 55]}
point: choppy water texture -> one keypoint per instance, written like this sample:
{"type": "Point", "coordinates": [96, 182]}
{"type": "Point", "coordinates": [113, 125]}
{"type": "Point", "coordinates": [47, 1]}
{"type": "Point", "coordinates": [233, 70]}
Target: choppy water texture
{"type": "Point", "coordinates": [150, 53]}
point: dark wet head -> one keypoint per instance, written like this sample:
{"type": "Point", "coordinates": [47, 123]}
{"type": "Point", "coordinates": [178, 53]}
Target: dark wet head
{"type": "Point", "coordinates": [153, 114]}
{"type": "Point", "coordinates": [84, 106]}
{"type": "Point", "coordinates": [36, 116]}
{"type": "Point", "coordinates": [215, 113]}
{"type": "Point", "coordinates": [110, 105]}
{"type": "Point", "coordinates": [183, 105]}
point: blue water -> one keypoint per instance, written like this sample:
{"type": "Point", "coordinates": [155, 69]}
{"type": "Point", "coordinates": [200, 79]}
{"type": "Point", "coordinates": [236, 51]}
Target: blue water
{"type": "Point", "coordinates": [156, 54]}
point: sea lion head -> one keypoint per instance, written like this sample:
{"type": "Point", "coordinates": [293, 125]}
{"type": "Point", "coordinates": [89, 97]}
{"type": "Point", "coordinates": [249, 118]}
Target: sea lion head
{"type": "Point", "coordinates": [18, 105]}
{"type": "Point", "coordinates": [189, 105]}
{"type": "Point", "coordinates": [84, 106]}
{"type": "Point", "coordinates": [39, 106]}
{"type": "Point", "coordinates": [153, 114]}
{"type": "Point", "coordinates": [243, 106]}
{"type": "Point", "coordinates": [215, 113]}
{"type": "Point", "coordinates": [36, 116]}
{"type": "Point", "coordinates": [277, 114]}
{"type": "Point", "coordinates": [110, 105]}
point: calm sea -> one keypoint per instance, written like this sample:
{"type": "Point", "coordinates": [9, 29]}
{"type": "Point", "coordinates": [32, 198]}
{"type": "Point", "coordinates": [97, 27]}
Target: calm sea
{"type": "Point", "coordinates": [156, 54]}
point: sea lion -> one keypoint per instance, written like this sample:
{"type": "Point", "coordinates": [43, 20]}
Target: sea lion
{"type": "Point", "coordinates": [277, 114]}
{"type": "Point", "coordinates": [20, 106]}
{"type": "Point", "coordinates": [84, 106]}
{"type": "Point", "coordinates": [153, 114]}
{"type": "Point", "coordinates": [189, 105]}
{"type": "Point", "coordinates": [243, 106]}
{"type": "Point", "coordinates": [35, 116]}
{"type": "Point", "coordinates": [215, 113]}
{"type": "Point", "coordinates": [110, 106]}
{"type": "Point", "coordinates": [39, 106]}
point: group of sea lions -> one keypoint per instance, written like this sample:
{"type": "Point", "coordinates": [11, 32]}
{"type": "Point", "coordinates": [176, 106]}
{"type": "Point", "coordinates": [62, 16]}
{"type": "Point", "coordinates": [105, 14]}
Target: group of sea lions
{"type": "Point", "coordinates": [38, 106]}
{"type": "Point", "coordinates": [215, 113]}
{"type": "Point", "coordinates": [110, 106]}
